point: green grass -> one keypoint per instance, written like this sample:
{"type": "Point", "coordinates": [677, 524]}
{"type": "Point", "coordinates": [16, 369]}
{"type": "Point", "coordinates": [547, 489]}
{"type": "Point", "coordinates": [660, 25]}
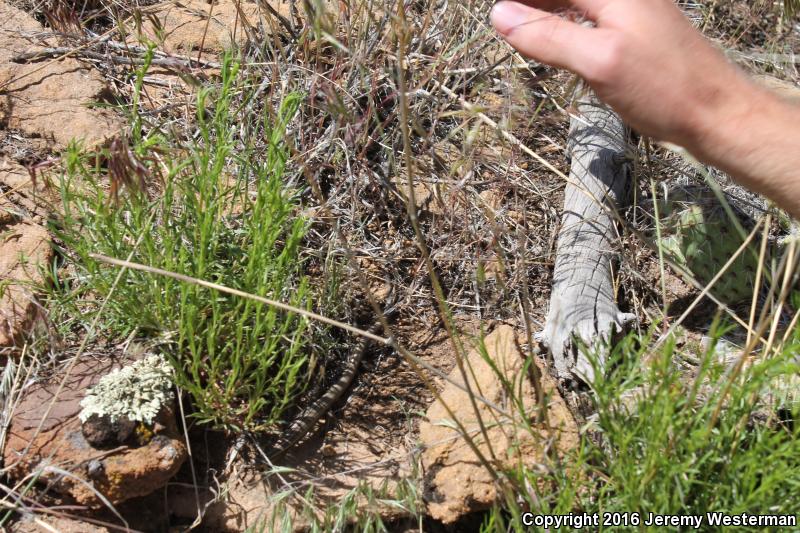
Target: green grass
{"type": "Point", "coordinates": [682, 447]}
{"type": "Point", "coordinates": [220, 212]}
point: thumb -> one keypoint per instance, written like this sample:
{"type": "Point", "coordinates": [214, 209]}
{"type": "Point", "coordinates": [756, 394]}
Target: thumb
{"type": "Point", "coordinates": [543, 36]}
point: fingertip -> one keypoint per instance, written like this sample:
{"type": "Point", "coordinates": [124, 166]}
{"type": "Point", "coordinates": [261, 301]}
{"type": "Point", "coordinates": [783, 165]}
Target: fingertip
{"type": "Point", "coordinates": [507, 15]}
{"type": "Point", "coordinates": [542, 35]}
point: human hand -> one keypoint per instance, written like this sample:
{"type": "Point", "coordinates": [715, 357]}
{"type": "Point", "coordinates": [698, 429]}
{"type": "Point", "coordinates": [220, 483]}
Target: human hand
{"type": "Point", "coordinates": [642, 57]}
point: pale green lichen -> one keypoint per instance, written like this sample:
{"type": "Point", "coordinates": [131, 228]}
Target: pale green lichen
{"type": "Point", "coordinates": [137, 391]}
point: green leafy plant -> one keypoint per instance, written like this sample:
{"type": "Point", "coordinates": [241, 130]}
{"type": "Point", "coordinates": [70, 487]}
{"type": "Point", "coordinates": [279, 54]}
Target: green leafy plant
{"type": "Point", "coordinates": [222, 213]}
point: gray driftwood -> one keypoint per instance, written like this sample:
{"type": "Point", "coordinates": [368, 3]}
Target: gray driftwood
{"type": "Point", "coordinates": [582, 304]}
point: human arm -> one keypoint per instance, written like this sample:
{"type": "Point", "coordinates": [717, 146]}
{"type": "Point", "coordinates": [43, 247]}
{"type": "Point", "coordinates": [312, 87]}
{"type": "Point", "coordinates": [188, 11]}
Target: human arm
{"type": "Point", "coordinates": [665, 79]}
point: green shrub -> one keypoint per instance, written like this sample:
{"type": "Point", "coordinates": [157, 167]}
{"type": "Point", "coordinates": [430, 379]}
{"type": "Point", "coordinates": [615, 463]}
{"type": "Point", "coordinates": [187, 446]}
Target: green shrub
{"type": "Point", "coordinates": [221, 213]}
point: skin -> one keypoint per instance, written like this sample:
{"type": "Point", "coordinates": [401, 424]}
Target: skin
{"type": "Point", "coordinates": [644, 59]}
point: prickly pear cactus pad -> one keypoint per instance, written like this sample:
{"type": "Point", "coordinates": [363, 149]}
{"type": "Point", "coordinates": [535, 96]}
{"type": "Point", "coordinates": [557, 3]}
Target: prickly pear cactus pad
{"type": "Point", "coordinates": [137, 391]}
{"type": "Point", "coordinates": [698, 235]}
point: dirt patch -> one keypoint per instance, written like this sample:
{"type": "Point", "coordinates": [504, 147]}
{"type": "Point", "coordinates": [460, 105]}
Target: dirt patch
{"type": "Point", "coordinates": [374, 442]}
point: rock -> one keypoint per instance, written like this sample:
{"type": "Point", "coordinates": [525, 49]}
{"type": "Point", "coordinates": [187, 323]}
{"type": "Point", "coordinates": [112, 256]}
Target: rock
{"type": "Point", "coordinates": [184, 27]}
{"type": "Point", "coordinates": [424, 193]}
{"type": "Point", "coordinates": [51, 98]}
{"type": "Point", "coordinates": [62, 524]}
{"type": "Point", "coordinates": [15, 189]}
{"type": "Point", "coordinates": [61, 456]}
{"type": "Point", "coordinates": [456, 482]}
{"type": "Point", "coordinates": [493, 199]}
{"type": "Point", "coordinates": [24, 250]}
{"type": "Point", "coordinates": [103, 432]}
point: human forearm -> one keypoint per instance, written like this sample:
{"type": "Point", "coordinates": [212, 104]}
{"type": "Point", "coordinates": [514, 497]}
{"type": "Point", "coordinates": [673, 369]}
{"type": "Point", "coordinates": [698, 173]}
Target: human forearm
{"type": "Point", "coordinates": [755, 139]}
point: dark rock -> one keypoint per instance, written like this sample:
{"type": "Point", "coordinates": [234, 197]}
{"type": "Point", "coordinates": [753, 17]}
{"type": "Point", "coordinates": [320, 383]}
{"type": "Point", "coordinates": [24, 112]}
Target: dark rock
{"type": "Point", "coordinates": [102, 432]}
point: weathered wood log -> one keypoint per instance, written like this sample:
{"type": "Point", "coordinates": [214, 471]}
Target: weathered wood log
{"type": "Point", "coordinates": [583, 311]}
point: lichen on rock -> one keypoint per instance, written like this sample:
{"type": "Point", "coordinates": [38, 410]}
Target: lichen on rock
{"type": "Point", "coordinates": [136, 392]}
